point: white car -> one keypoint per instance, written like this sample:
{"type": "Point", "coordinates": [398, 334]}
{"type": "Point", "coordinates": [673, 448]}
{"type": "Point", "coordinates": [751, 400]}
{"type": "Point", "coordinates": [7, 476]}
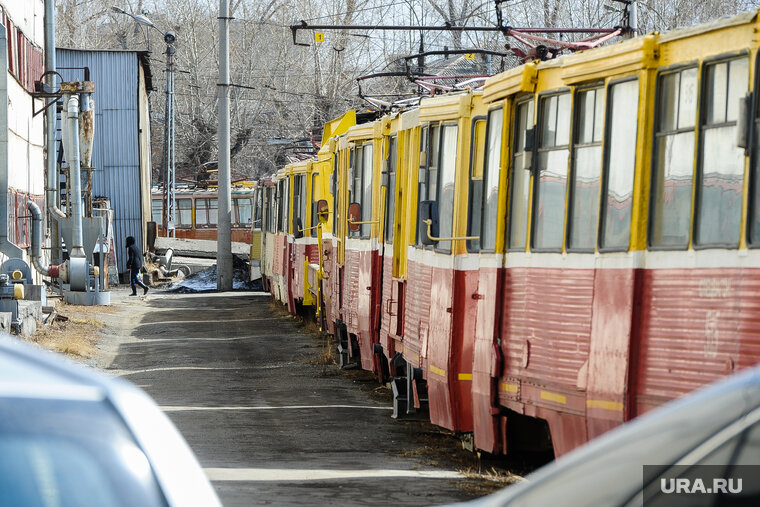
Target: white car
{"type": "Point", "coordinates": [636, 463]}
{"type": "Point", "coordinates": [71, 436]}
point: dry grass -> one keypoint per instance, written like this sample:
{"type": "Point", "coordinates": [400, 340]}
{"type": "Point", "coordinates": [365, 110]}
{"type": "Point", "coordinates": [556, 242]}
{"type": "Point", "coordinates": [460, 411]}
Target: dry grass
{"type": "Point", "coordinates": [486, 482]}
{"type": "Point", "coordinates": [76, 336]}
{"type": "Point", "coordinates": [324, 358]}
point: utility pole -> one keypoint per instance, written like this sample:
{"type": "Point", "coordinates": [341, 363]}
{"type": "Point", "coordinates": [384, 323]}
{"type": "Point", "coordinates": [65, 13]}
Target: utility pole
{"type": "Point", "coordinates": [224, 227]}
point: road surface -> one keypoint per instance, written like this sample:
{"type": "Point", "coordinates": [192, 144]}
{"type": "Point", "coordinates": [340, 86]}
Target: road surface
{"type": "Point", "coordinates": [271, 421]}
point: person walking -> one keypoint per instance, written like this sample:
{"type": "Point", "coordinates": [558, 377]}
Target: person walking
{"type": "Point", "coordinates": [134, 264]}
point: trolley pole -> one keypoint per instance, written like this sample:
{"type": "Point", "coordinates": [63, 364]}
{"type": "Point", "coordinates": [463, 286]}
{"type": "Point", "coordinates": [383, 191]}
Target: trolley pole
{"type": "Point", "coordinates": [224, 233]}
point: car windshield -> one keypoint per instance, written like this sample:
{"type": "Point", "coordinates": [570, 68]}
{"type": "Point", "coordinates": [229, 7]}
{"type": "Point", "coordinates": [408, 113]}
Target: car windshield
{"type": "Point", "coordinates": [58, 453]}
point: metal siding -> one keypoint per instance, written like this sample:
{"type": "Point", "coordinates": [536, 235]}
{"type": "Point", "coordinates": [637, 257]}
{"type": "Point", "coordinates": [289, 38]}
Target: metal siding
{"type": "Point", "coordinates": [546, 323]}
{"type": "Point", "coordinates": [417, 312]}
{"type": "Point", "coordinates": [116, 152]}
{"type": "Point", "coordinates": [697, 325]}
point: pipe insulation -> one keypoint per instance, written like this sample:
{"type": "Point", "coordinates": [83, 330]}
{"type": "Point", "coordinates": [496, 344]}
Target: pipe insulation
{"type": "Point", "coordinates": [71, 148]}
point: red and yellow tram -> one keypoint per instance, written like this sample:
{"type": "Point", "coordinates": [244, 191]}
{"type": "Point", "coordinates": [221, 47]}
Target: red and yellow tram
{"type": "Point", "coordinates": [546, 258]}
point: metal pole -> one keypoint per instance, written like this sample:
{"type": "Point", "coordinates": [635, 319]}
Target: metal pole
{"type": "Point", "coordinates": [170, 180]}
{"type": "Point", "coordinates": [168, 213]}
{"type": "Point", "coordinates": [224, 232]}
{"type": "Point", "coordinates": [51, 170]}
{"type": "Point", "coordinates": [172, 167]}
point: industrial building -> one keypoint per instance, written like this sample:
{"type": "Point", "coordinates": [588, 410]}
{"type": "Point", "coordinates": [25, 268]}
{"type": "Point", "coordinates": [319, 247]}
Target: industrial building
{"type": "Point", "coordinates": [121, 151]}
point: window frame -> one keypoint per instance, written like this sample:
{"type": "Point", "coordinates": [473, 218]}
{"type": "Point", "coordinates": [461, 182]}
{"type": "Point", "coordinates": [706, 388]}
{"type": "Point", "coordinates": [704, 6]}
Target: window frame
{"type": "Point", "coordinates": [299, 204]}
{"type": "Point", "coordinates": [474, 246]}
{"type": "Point", "coordinates": [357, 186]}
{"type": "Point", "coordinates": [753, 206]}
{"type": "Point", "coordinates": [160, 211]}
{"type": "Point", "coordinates": [390, 211]}
{"type": "Point", "coordinates": [670, 69]}
{"type": "Point", "coordinates": [535, 171]}
{"type": "Point", "coordinates": [572, 166]}
{"type": "Point", "coordinates": [312, 204]}
{"type": "Point", "coordinates": [236, 204]}
{"type": "Point", "coordinates": [699, 169]}
{"type": "Point", "coordinates": [438, 187]}
{"type": "Point", "coordinates": [606, 147]}
{"type": "Point", "coordinates": [516, 104]}
{"type": "Point", "coordinates": [423, 167]}
{"type": "Point", "coordinates": [177, 219]}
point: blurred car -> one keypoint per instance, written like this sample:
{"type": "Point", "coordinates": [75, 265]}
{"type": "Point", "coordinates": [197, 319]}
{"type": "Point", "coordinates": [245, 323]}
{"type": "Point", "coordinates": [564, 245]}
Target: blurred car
{"type": "Point", "coordinates": [71, 436]}
{"type": "Point", "coordinates": [716, 425]}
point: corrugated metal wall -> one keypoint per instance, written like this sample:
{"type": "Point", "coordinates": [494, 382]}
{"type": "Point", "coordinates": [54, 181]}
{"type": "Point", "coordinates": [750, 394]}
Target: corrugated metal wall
{"type": "Point", "coordinates": [116, 152]}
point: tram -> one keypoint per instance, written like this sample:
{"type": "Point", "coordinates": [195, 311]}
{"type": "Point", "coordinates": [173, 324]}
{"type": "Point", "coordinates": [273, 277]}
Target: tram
{"type": "Point", "coordinates": [197, 212]}
{"type": "Point", "coordinates": [541, 259]}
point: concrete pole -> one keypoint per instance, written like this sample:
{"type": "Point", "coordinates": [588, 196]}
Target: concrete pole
{"type": "Point", "coordinates": [224, 227]}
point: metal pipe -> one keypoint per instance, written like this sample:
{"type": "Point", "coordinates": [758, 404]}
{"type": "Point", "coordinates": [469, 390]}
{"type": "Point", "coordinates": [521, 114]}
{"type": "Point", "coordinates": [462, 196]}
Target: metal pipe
{"type": "Point", "coordinates": [36, 250]}
{"type": "Point", "coordinates": [224, 227]}
{"type": "Point", "coordinates": [71, 138]}
{"type": "Point", "coordinates": [51, 170]}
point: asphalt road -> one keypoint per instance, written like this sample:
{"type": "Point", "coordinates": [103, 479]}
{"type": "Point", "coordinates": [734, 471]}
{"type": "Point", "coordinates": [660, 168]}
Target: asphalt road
{"type": "Point", "coordinates": [270, 422]}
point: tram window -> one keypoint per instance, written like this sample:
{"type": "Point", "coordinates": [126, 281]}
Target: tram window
{"type": "Point", "coordinates": [285, 206]}
{"type": "Point", "coordinates": [753, 219]}
{"type": "Point", "coordinates": [446, 184]}
{"type": "Point", "coordinates": [265, 211]}
{"type": "Point", "coordinates": [314, 218]}
{"type": "Point", "coordinates": [619, 165]}
{"type": "Point", "coordinates": [433, 163]}
{"type": "Point", "coordinates": [391, 191]}
{"type": "Point", "coordinates": [282, 198]}
{"type": "Point", "coordinates": [549, 198]}
{"type": "Point", "coordinates": [491, 181]}
{"type": "Point", "coordinates": [205, 212]}
{"type": "Point", "coordinates": [334, 190]}
{"type": "Point", "coordinates": [157, 211]}
{"type": "Point", "coordinates": [243, 211]}
{"type": "Point", "coordinates": [184, 213]}
{"type": "Point", "coordinates": [587, 162]}
{"type": "Point", "coordinates": [258, 209]}
{"type": "Point", "coordinates": [355, 178]}
{"type": "Point", "coordinates": [299, 203]}
{"type": "Point", "coordinates": [270, 209]}
{"type": "Point", "coordinates": [354, 182]}
{"type": "Point", "coordinates": [475, 210]}
{"type": "Point", "coordinates": [673, 169]}
{"type": "Point", "coordinates": [422, 181]}
{"type": "Point", "coordinates": [719, 202]}
{"type": "Point", "coordinates": [366, 201]}
{"type": "Point", "coordinates": [520, 177]}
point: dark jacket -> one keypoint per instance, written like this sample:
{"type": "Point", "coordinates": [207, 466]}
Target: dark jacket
{"type": "Point", "coordinates": [134, 255]}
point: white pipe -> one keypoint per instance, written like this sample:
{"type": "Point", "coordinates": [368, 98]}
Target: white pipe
{"type": "Point", "coordinates": [71, 136]}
